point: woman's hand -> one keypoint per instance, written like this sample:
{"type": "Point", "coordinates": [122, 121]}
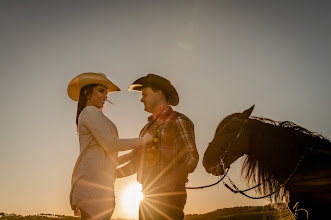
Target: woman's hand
{"type": "Point", "coordinates": [154, 129]}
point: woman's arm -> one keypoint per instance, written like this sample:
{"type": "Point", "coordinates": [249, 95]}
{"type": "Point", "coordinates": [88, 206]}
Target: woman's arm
{"type": "Point", "coordinates": [94, 120]}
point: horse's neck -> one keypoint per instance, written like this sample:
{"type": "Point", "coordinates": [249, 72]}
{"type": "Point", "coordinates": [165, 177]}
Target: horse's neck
{"type": "Point", "coordinates": [272, 144]}
{"type": "Point", "coordinates": [279, 138]}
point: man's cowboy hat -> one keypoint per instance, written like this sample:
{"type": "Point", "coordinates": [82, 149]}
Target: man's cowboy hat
{"type": "Point", "coordinates": [84, 79]}
{"type": "Point", "coordinates": [158, 82]}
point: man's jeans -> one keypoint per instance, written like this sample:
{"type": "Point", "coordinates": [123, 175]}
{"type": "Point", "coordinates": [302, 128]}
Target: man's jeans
{"type": "Point", "coordinates": [159, 204]}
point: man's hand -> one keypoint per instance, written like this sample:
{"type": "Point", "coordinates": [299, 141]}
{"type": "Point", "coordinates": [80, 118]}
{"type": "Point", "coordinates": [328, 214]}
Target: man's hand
{"type": "Point", "coordinates": [126, 170]}
{"type": "Point", "coordinates": [124, 158]}
{"type": "Point", "coordinates": [129, 168]}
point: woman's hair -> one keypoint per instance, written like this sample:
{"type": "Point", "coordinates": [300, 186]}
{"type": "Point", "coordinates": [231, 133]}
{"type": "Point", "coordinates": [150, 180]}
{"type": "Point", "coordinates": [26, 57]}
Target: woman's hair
{"type": "Point", "coordinates": [85, 92]}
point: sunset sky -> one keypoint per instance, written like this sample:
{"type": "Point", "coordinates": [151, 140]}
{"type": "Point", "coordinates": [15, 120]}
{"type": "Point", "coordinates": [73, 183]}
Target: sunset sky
{"type": "Point", "coordinates": [222, 57]}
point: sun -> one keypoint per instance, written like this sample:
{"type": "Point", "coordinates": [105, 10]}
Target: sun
{"type": "Point", "coordinates": [131, 198]}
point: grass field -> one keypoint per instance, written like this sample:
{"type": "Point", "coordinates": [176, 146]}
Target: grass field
{"type": "Point", "coordinates": [244, 213]}
{"type": "Point", "coordinates": [236, 213]}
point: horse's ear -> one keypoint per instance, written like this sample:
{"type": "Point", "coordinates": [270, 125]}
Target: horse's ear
{"type": "Point", "coordinates": [245, 114]}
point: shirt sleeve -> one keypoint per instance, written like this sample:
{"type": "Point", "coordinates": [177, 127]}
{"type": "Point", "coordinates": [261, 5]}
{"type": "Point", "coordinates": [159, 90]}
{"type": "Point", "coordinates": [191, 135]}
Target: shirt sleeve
{"type": "Point", "coordinates": [185, 140]}
{"type": "Point", "coordinates": [94, 121]}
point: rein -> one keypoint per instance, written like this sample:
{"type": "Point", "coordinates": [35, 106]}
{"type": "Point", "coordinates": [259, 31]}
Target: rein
{"type": "Point", "coordinates": [202, 187]}
{"type": "Point", "coordinates": [236, 190]}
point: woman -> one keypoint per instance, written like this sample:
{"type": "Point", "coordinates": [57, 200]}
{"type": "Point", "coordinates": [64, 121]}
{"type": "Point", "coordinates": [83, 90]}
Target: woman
{"type": "Point", "coordinates": [92, 190]}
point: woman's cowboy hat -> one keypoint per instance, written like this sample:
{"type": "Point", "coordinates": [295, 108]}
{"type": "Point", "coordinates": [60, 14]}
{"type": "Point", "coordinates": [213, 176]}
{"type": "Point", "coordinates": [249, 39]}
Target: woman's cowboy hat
{"type": "Point", "coordinates": [84, 79]}
{"type": "Point", "coordinates": [158, 82]}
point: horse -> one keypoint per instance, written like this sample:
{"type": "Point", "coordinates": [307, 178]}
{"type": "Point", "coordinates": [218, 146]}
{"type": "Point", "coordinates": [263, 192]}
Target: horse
{"type": "Point", "coordinates": [282, 158]}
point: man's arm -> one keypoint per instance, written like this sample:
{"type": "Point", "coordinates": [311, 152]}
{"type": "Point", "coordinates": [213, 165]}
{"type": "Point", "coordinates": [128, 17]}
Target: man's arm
{"type": "Point", "coordinates": [126, 170]}
{"type": "Point", "coordinates": [185, 141]}
{"type": "Point", "coordinates": [125, 157]}
{"type": "Point", "coordinates": [129, 168]}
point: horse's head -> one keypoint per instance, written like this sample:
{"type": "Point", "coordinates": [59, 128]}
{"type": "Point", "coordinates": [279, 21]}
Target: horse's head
{"type": "Point", "coordinates": [230, 142]}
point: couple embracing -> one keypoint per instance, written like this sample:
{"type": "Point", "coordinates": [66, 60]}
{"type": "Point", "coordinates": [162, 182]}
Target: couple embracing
{"type": "Point", "coordinates": [162, 156]}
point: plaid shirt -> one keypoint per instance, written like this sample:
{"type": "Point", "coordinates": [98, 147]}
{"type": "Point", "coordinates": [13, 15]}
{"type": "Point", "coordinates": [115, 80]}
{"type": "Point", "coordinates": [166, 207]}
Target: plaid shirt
{"type": "Point", "coordinates": [173, 144]}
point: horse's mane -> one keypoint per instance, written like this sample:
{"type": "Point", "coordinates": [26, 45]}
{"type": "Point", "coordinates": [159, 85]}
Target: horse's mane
{"type": "Point", "coordinates": [275, 149]}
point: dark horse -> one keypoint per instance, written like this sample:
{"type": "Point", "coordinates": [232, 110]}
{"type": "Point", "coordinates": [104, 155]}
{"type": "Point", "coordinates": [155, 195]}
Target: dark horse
{"type": "Point", "coordinates": [281, 156]}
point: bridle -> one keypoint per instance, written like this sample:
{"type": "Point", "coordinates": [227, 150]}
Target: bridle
{"type": "Point", "coordinates": [223, 162]}
{"type": "Point", "coordinates": [224, 158]}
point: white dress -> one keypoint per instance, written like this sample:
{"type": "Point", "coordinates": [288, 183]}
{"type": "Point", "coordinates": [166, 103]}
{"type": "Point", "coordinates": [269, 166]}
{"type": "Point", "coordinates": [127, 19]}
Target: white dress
{"type": "Point", "coordinates": [92, 184]}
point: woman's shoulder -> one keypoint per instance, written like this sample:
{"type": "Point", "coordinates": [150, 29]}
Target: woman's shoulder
{"type": "Point", "coordinates": [91, 108]}
{"type": "Point", "coordinates": [89, 111]}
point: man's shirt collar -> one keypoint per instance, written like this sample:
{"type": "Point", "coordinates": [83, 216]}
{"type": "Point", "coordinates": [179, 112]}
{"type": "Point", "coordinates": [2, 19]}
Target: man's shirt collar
{"type": "Point", "coordinates": [164, 114]}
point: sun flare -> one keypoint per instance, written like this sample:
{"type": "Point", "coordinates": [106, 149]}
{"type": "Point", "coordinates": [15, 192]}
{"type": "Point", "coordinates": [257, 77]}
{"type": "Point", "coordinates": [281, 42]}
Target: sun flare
{"type": "Point", "coordinates": [131, 198]}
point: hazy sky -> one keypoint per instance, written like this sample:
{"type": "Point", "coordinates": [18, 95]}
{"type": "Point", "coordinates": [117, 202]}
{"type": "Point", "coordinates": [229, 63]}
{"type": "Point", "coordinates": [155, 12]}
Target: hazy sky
{"type": "Point", "coordinates": [222, 57]}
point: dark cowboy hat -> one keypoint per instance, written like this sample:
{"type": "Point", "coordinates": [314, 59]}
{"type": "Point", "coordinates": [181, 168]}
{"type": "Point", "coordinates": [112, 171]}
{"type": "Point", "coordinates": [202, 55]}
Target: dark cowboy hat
{"type": "Point", "coordinates": [158, 82]}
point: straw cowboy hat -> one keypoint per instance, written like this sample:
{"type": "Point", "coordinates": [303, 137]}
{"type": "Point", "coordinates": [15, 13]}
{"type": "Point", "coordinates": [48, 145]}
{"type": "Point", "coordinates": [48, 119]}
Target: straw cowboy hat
{"type": "Point", "coordinates": [84, 79]}
{"type": "Point", "coordinates": [158, 82]}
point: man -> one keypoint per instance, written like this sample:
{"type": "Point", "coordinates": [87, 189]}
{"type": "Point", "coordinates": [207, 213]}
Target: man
{"type": "Point", "coordinates": [162, 167]}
